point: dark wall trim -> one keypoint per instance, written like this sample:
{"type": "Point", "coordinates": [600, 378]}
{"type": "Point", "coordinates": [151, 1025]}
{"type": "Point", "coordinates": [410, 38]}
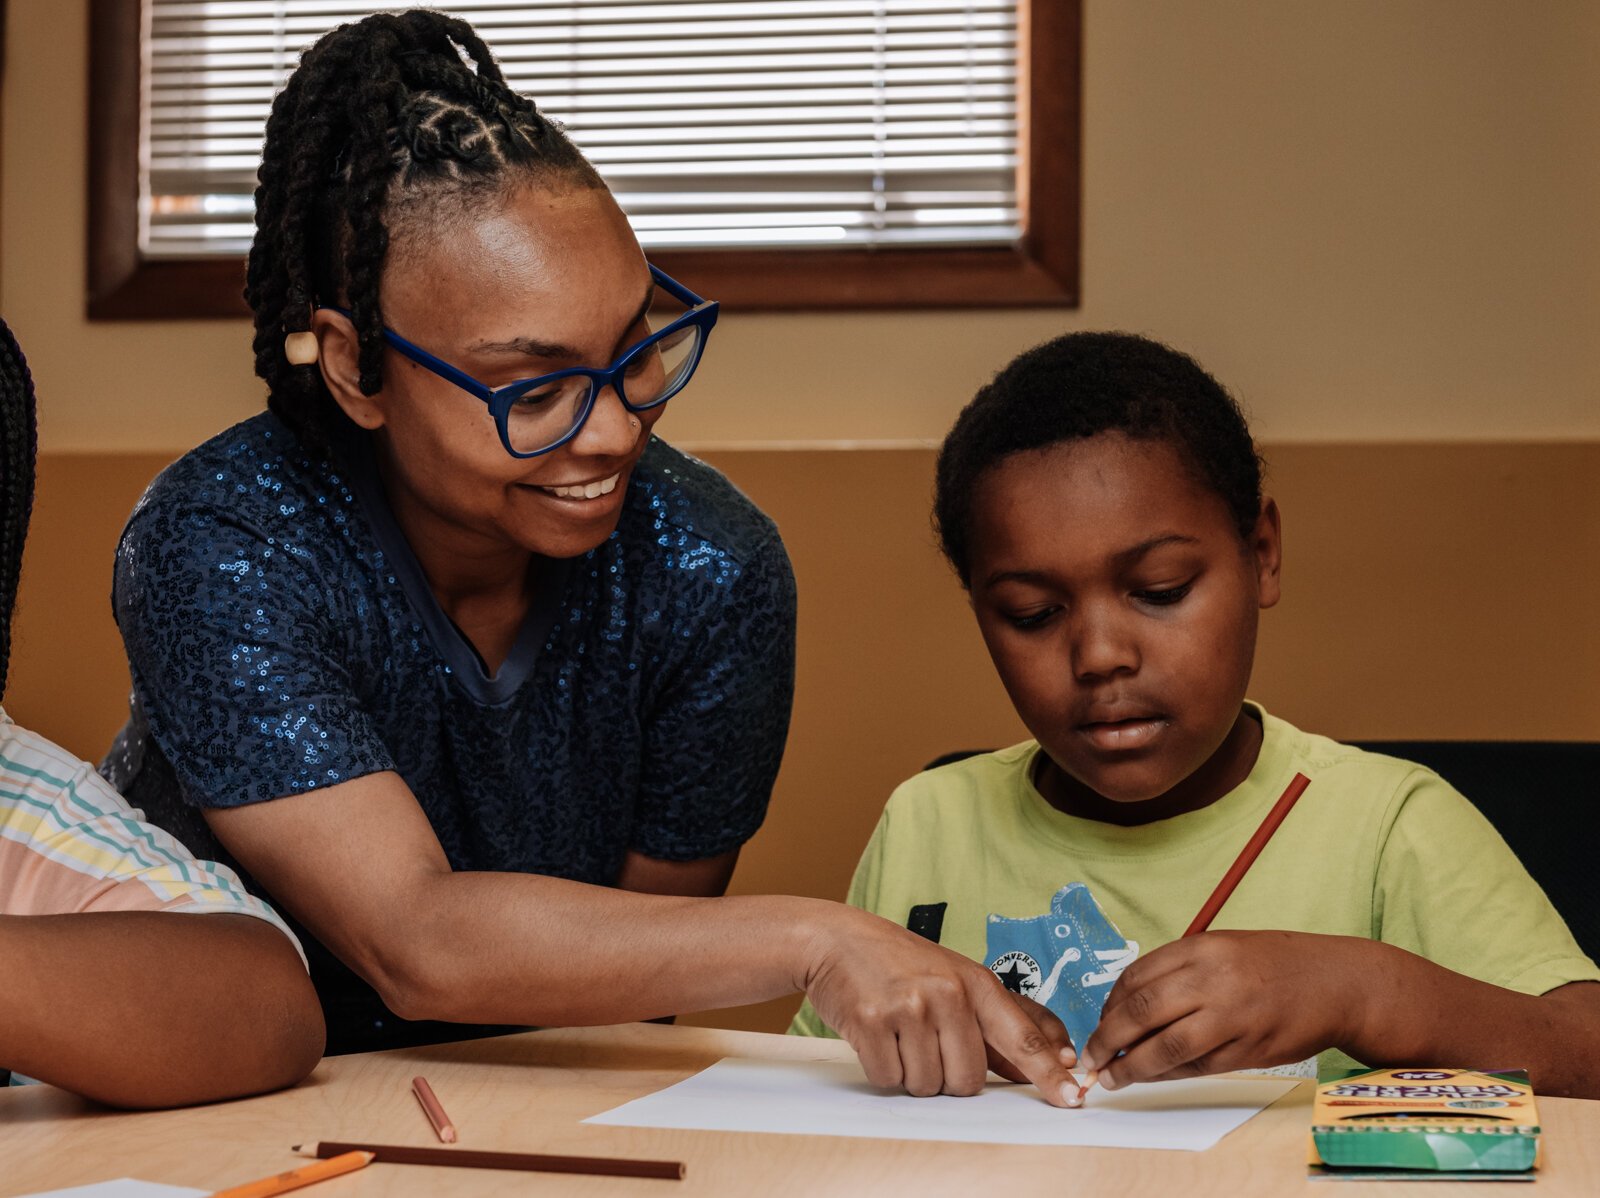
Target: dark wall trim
{"type": "Point", "coordinates": [1042, 271]}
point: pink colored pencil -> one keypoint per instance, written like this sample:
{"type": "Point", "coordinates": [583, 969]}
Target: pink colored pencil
{"type": "Point", "coordinates": [443, 1128]}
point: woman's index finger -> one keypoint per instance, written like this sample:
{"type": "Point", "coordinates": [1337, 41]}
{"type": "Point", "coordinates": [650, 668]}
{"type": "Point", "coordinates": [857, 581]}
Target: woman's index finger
{"type": "Point", "coordinates": [1021, 1041]}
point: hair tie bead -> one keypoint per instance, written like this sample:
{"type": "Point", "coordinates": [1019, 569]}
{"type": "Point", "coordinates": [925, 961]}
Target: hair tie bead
{"type": "Point", "coordinates": [301, 349]}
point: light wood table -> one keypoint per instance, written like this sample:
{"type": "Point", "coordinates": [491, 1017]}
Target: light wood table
{"type": "Point", "coordinates": [529, 1093]}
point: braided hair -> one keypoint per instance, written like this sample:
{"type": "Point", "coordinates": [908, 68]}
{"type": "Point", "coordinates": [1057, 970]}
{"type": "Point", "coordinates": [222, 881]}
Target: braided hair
{"type": "Point", "coordinates": [18, 441]}
{"type": "Point", "coordinates": [383, 127]}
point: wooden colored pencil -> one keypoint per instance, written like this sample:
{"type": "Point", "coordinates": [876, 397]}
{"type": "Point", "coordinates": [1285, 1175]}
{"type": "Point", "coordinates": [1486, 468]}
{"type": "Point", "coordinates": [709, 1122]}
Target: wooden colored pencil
{"type": "Point", "coordinates": [1248, 854]}
{"type": "Point", "coordinates": [280, 1183]}
{"type": "Point", "coordinates": [434, 1110]}
{"type": "Point", "coordinates": [470, 1158]}
{"type": "Point", "coordinates": [1231, 879]}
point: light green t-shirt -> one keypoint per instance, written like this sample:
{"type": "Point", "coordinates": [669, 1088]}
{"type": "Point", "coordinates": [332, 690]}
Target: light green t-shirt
{"type": "Point", "coordinates": [1376, 847]}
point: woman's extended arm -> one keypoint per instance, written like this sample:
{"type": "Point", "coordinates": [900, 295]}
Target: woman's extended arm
{"type": "Point", "coordinates": [360, 866]}
{"type": "Point", "coordinates": [155, 1008]}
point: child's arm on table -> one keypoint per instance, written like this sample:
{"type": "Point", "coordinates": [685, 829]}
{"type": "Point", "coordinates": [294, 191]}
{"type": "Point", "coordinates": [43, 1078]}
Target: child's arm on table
{"type": "Point", "coordinates": [1239, 1000]}
{"type": "Point", "coordinates": [155, 1008]}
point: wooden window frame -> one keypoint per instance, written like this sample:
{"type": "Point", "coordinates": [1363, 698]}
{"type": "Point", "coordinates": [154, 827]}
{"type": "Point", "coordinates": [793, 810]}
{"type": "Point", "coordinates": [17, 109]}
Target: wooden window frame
{"type": "Point", "coordinates": [1042, 270]}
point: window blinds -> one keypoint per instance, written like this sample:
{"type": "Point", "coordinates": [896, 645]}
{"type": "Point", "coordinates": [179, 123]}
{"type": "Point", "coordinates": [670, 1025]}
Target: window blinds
{"type": "Point", "coordinates": [717, 123]}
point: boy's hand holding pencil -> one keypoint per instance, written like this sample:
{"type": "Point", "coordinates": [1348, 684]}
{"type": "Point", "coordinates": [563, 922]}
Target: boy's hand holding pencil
{"type": "Point", "coordinates": [1227, 1000]}
{"type": "Point", "coordinates": [1147, 1013]}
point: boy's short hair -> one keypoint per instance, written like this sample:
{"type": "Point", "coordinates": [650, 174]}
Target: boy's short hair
{"type": "Point", "coordinates": [1082, 384]}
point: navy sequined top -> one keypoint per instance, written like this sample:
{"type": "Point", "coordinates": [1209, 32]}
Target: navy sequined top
{"type": "Point", "coordinates": [282, 638]}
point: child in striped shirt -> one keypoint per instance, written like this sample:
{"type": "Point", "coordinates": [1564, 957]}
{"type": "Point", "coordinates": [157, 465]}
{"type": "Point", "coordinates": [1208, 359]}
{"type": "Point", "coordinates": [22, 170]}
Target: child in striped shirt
{"type": "Point", "coordinates": [105, 992]}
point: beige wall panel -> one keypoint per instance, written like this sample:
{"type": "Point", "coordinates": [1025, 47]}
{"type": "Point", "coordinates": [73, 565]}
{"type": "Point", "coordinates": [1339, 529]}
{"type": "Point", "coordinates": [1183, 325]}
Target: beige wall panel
{"type": "Point", "coordinates": [1430, 591]}
{"type": "Point", "coordinates": [1374, 220]}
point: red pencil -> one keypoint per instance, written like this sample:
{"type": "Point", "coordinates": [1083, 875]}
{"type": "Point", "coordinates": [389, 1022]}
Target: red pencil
{"type": "Point", "coordinates": [1232, 878]}
{"type": "Point", "coordinates": [434, 1110]}
{"type": "Point", "coordinates": [1248, 855]}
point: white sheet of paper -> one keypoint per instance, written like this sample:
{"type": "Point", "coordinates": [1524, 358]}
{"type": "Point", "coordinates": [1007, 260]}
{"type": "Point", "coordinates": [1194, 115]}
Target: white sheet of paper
{"type": "Point", "coordinates": [833, 1098]}
{"type": "Point", "coordinates": [122, 1187]}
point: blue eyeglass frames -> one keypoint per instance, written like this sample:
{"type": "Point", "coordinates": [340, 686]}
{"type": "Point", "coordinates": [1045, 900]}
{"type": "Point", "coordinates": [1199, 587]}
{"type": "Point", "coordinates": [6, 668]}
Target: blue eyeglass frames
{"type": "Point", "coordinates": [540, 414]}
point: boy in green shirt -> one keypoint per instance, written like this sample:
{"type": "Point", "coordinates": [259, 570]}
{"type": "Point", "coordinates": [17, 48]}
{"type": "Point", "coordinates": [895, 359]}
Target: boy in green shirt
{"type": "Point", "coordinates": [1101, 501]}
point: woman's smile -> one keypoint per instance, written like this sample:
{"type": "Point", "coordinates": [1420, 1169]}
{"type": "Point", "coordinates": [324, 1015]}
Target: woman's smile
{"type": "Point", "coordinates": [593, 489]}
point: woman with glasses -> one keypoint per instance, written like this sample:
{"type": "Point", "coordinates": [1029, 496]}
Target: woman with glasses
{"type": "Point", "coordinates": [478, 680]}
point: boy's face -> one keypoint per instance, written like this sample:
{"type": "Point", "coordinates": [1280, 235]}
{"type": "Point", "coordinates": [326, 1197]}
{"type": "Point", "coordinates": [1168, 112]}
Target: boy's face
{"type": "Point", "coordinates": [1119, 604]}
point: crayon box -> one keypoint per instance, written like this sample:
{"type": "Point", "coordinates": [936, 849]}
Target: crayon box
{"type": "Point", "coordinates": [1426, 1122]}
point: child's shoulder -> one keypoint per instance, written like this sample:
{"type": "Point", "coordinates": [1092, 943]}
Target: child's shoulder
{"type": "Point", "coordinates": [1324, 753]}
{"type": "Point", "coordinates": [39, 765]}
{"type": "Point", "coordinates": [54, 806]}
{"type": "Point", "coordinates": [1355, 773]}
{"type": "Point", "coordinates": [938, 822]}
{"type": "Point", "coordinates": [966, 786]}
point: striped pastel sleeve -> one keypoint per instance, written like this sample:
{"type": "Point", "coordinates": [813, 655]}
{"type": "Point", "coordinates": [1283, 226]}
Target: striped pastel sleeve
{"type": "Point", "coordinates": [70, 843]}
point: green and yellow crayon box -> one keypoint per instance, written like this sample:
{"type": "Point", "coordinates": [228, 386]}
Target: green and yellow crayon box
{"type": "Point", "coordinates": [1428, 1120]}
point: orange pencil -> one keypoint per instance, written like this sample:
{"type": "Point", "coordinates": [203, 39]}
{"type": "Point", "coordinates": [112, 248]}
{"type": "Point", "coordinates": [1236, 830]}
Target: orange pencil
{"type": "Point", "coordinates": [281, 1183]}
{"type": "Point", "coordinates": [442, 1127]}
{"type": "Point", "coordinates": [1231, 879]}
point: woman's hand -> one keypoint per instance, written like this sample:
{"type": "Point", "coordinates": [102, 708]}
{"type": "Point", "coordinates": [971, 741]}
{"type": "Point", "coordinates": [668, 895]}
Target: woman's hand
{"type": "Point", "coordinates": [926, 1019]}
{"type": "Point", "coordinates": [1229, 1000]}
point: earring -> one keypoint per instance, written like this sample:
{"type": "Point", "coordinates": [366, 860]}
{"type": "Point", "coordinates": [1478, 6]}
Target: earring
{"type": "Point", "coordinates": [636, 422]}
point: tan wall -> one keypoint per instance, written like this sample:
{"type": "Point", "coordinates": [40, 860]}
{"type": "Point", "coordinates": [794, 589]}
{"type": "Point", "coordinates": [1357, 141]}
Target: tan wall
{"type": "Point", "coordinates": [1430, 591]}
{"type": "Point", "coordinates": [1374, 218]}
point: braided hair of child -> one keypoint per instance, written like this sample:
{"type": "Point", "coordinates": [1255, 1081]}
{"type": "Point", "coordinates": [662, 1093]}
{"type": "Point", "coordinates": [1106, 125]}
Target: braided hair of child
{"type": "Point", "coordinates": [19, 442]}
